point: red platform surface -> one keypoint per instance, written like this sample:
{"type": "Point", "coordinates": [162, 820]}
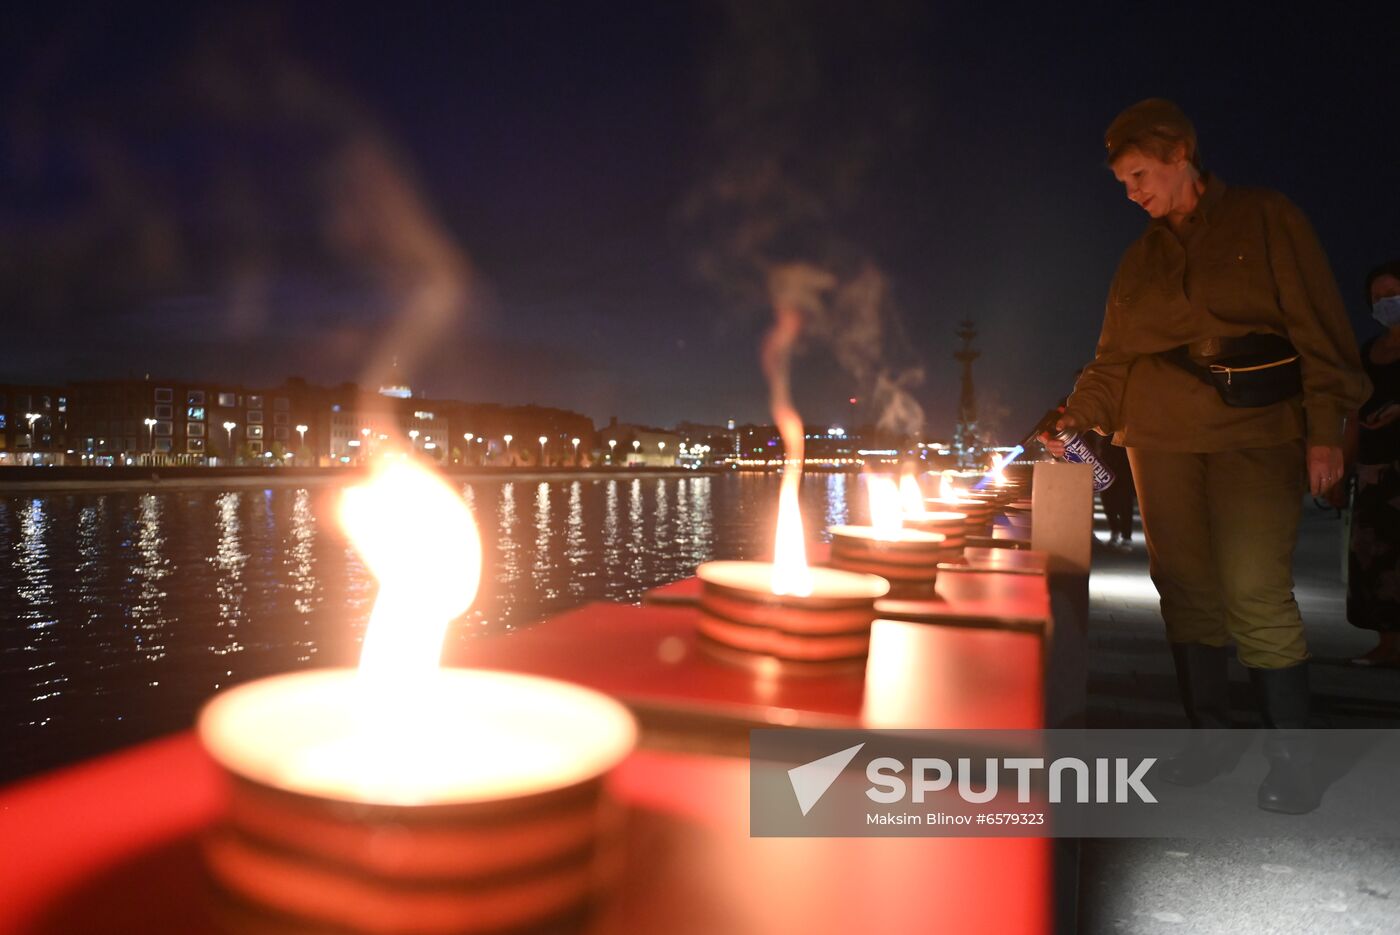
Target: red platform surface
{"type": "Point", "coordinates": [110, 846]}
{"type": "Point", "coordinates": [652, 658]}
{"type": "Point", "coordinates": [1019, 602]}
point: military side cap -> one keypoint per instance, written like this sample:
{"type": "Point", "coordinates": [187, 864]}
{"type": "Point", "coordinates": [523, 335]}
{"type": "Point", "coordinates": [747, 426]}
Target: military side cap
{"type": "Point", "coordinates": [1154, 117]}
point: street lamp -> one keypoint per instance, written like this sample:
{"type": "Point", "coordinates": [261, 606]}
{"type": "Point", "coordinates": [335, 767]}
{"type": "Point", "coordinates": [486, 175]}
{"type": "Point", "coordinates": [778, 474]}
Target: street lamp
{"type": "Point", "coordinates": [575, 443]}
{"type": "Point", "coordinates": [636, 446]}
{"type": "Point", "coordinates": [229, 427]}
{"type": "Point", "coordinates": [413, 437]}
{"type": "Point", "coordinates": [612, 447]}
{"type": "Point", "coordinates": [543, 439]}
{"type": "Point", "coordinates": [507, 440]}
{"type": "Point", "coordinates": [301, 430]}
{"type": "Point", "coordinates": [150, 434]}
{"type": "Point", "coordinates": [467, 437]}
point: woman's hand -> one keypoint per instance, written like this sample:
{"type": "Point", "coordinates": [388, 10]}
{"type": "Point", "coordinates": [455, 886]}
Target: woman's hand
{"type": "Point", "coordinates": [1053, 444]}
{"type": "Point", "coordinates": [1324, 468]}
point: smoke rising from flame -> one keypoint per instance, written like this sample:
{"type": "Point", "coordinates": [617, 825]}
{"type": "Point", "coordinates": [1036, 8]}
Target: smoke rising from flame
{"type": "Point", "coordinates": [773, 201]}
{"type": "Point", "coordinates": [794, 289]}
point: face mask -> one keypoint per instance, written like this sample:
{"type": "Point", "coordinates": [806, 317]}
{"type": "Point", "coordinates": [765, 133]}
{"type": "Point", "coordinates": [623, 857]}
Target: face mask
{"type": "Point", "coordinates": [1387, 311]}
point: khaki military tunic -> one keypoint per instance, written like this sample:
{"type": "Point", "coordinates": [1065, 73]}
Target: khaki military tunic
{"type": "Point", "coordinates": [1246, 261]}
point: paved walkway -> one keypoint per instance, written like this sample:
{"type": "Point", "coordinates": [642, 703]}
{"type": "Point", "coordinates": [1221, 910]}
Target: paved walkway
{"type": "Point", "coordinates": [1155, 887]}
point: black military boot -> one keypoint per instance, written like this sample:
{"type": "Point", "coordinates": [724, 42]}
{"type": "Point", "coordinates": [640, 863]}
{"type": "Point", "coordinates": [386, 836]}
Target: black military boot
{"type": "Point", "coordinates": [1284, 704]}
{"type": "Point", "coordinates": [1203, 680]}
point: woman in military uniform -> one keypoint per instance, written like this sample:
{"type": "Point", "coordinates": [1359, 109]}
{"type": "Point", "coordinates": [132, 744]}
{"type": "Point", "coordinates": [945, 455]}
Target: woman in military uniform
{"type": "Point", "coordinates": [1225, 366]}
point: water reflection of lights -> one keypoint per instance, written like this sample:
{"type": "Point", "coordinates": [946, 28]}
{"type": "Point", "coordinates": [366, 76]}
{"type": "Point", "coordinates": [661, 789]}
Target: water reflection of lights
{"type": "Point", "coordinates": [215, 571]}
{"type": "Point", "coordinates": [837, 507]}
{"type": "Point", "coordinates": [509, 570]}
{"type": "Point", "coordinates": [301, 559]}
{"type": "Point", "coordinates": [702, 516]}
{"type": "Point", "coordinates": [634, 521]}
{"type": "Point", "coordinates": [544, 563]}
{"type": "Point", "coordinates": [151, 567]}
{"type": "Point", "coordinates": [229, 559]}
{"type": "Point", "coordinates": [35, 590]}
{"type": "Point", "coordinates": [660, 532]}
{"type": "Point", "coordinates": [612, 541]}
{"type": "Point", "coordinates": [575, 544]}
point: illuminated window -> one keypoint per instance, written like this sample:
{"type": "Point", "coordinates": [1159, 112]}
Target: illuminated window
{"type": "Point", "coordinates": [195, 430]}
{"type": "Point", "coordinates": [255, 402]}
{"type": "Point", "coordinates": [255, 447]}
{"type": "Point", "coordinates": [254, 416]}
{"type": "Point", "coordinates": [194, 444]}
{"type": "Point", "coordinates": [228, 400]}
{"type": "Point", "coordinates": [165, 395]}
{"type": "Point", "coordinates": [195, 412]}
{"type": "Point", "coordinates": [255, 431]}
{"type": "Point", "coordinates": [163, 445]}
{"type": "Point", "coordinates": [195, 398]}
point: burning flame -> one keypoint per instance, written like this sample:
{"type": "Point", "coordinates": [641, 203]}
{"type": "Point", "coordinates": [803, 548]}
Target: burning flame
{"type": "Point", "coordinates": [790, 572]}
{"type": "Point", "coordinates": [911, 495]}
{"type": "Point", "coordinates": [946, 491]}
{"type": "Point", "coordinates": [418, 539]}
{"type": "Point", "coordinates": [886, 515]}
{"type": "Point", "coordinates": [998, 467]}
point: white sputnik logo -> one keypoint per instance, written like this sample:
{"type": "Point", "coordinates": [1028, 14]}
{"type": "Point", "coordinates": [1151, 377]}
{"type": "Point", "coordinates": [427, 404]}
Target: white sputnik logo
{"type": "Point", "coordinates": [811, 780]}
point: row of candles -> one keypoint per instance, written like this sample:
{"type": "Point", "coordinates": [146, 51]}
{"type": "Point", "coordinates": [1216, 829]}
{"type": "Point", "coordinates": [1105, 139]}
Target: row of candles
{"type": "Point", "coordinates": [407, 797]}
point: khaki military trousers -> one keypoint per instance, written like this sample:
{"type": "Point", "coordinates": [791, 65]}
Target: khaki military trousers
{"type": "Point", "coordinates": [1220, 529]}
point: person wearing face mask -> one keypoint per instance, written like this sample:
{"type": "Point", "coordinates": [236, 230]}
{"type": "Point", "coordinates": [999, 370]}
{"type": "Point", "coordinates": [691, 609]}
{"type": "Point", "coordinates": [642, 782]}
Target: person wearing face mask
{"type": "Point", "coordinates": [1373, 574]}
{"type": "Point", "coordinates": [1225, 366]}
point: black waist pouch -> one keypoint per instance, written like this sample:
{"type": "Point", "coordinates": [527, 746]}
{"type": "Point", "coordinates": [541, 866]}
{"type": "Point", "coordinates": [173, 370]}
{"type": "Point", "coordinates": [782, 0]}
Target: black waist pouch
{"type": "Point", "coordinates": [1248, 371]}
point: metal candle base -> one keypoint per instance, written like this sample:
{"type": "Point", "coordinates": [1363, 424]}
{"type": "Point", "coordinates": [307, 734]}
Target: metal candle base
{"type": "Point", "coordinates": [470, 857]}
{"type": "Point", "coordinates": [909, 562]}
{"type": "Point", "coordinates": [977, 510]}
{"type": "Point", "coordinates": [739, 611]}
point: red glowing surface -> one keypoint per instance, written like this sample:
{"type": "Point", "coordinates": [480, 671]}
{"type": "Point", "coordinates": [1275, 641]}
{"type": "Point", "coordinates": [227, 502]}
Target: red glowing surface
{"type": "Point", "coordinates": [109, 846]}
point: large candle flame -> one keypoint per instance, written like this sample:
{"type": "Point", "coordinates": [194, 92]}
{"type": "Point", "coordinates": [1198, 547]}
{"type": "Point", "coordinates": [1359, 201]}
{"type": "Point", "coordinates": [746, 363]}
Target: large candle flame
{"type": "Point", "coordinates": [418, 539]}
{"type": "Point", "coordinates": [946, 491]}
{"type": "Point", "coordinates": [886, 514]}
{"type": "Point", "coordinates": [911, 495]}
{"type": "Point", "coordinates": [998, 471]}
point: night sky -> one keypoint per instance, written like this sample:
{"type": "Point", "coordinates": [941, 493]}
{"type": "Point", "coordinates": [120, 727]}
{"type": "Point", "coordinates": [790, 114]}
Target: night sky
{"type": "Point", "coordinates": [574, 204]}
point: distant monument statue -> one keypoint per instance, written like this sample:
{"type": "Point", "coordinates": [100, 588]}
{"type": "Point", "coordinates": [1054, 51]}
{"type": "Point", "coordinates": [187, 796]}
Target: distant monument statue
{"type": "Point", "coordinates": [965, 434]}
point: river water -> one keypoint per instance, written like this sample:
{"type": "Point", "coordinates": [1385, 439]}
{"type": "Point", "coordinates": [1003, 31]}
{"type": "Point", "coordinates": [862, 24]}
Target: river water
{"type": "Point", "coordinates": [121, 613]}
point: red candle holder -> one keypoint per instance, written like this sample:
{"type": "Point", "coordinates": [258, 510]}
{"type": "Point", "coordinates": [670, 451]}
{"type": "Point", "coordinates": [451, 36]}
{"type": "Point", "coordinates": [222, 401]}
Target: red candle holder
{"type": "Point", "coordinates": [908, 560]}
{"type": "Point", "coordinates": [503, 823]}
{"type": "Point", "coordinates": [739, 611]}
